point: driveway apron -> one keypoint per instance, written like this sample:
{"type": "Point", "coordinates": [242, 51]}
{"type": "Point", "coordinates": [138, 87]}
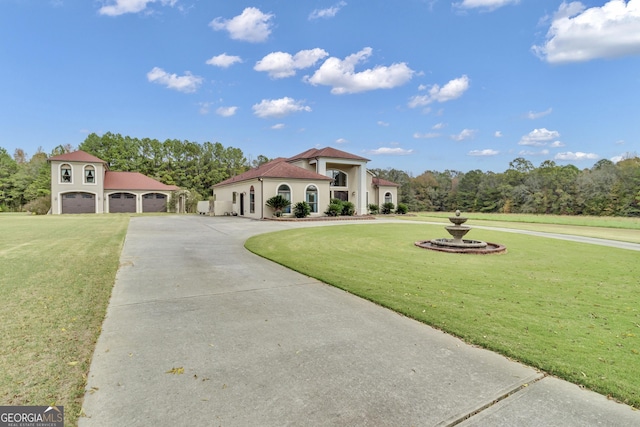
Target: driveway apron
{"type": "Point", "coordinates": [199, 331]}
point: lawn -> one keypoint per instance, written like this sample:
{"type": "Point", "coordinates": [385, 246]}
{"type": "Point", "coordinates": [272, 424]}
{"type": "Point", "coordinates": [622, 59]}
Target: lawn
{"type": "Point", "coordinates": [569, 309]}
{"type": "Point", "coordinates": [56, 276]}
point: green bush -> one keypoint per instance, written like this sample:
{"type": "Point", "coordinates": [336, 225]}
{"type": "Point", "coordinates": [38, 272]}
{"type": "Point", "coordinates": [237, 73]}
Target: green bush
{"type": "Point", "coordinates": [348, 209]}
{"type": "Point", "coordinates": [301, 210]}
{"type": "Point", "coordinates": [39, 206]}
{"type": "Point", "coordinates": [387, 208]}
{"type": "Point", "coordinates": [334, 209]}
{"type": "Point", "coordinates": [373, 208]}
{"type": "Point", "coordinates": [402, 209]}
{"type": "Point", "coordinates": [278, 204]}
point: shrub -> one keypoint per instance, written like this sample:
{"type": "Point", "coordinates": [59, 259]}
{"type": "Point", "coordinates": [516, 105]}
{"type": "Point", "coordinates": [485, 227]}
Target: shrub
{"type": "Point", "coordinates": [348, 209]}
{"type": "Point", "coordinates": [402, 209]}
{"type": "Point", "coordinates": [373, 208]}
{"type": "Point", "coordinates": [301, 210]}
{"type": "Point", "coordinates": [278, 204]}
{"type": "Point", "coordinates": [334, 209]}
{"type": "Point", "coordinates": [39, 206]}
{"type": "Point", "coordinates": [387, 208]}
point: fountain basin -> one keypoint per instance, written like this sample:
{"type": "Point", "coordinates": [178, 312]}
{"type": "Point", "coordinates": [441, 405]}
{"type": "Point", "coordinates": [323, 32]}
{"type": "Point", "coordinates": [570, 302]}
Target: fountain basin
{"type": "Point", "coordinates": [489, 248]}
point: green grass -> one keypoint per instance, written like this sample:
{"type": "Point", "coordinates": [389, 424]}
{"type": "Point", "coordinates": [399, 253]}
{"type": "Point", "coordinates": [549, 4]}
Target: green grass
{"type": "Point", "coordinates": [569, 309]}
{"type": "Point", "coordinates": [56, 277]}
{"type": "Point", "coordinates": [613, 228]}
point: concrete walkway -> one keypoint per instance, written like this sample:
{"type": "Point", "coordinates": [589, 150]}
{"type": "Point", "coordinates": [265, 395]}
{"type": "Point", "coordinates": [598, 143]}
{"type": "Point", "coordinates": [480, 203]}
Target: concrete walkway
{"type": "Point", "coordinates": [252, 343]}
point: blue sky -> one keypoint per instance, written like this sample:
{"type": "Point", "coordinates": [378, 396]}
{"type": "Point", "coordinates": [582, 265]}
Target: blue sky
{"type": "Point", "coordinates": [410, 84]}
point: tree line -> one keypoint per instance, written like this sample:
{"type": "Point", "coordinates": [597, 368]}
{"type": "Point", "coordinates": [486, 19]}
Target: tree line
{"type": "Point", "coordinates": [608, 188]}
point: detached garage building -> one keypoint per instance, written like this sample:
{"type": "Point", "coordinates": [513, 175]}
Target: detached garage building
{"type": "Point", "coordinates": [82, 183]}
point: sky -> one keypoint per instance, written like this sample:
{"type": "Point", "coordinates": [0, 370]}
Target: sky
{"type": "Point", "coordinates": [414, 85]}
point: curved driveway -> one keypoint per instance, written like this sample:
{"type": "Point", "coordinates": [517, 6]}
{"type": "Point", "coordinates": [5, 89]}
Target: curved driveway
{"type": "Point", "coordinates": [201, 332]}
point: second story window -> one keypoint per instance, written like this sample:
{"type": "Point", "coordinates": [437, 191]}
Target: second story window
{"type": "Point", "coordinates": [89, 175]}
{"type": "Point", "coordinates": [339, 178]}
{"type": "Point", "coordinates": [65, 173]}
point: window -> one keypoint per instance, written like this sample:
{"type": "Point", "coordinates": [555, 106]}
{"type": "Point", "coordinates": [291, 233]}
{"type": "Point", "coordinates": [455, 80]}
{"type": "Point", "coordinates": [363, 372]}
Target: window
{"type": "Point", "coordinates": [339, 178]}
{"type": "Point", "coordinates": [65, 173]}
{"type": "Point", "coordinates": [89, 175]}
{"type": "Point", "coordinates": [252, 200]}
{"type": "Point", "coordinates": [285, 192]}
{"type": "Point", "coordinates": [312, 197]}
{"type": "Point", "coordinates": [388, 198]}
{"type": "Point", "coordinates": [234, 198]}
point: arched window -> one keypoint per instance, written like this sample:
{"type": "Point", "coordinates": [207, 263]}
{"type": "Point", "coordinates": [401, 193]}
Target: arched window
{"type": "Point", "coordinates": [89, 175]}
{"type": "Point", "coordinates": [252, 200]}
{"type": "Point", "coordinates": [285, 191]}
{"type": "Point", "coordinates": [312, 197]}
{"type": "Point", "coordinates": [65, 173]}
{"type": "Point", "coordinates": [388, 198]}
{"type": "Point", "coordinates": [339, 178]}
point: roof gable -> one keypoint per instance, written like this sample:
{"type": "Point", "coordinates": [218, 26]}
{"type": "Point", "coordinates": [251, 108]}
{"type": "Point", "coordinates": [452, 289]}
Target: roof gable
{"type": "Point", "coordinates": [326, 152]}
{"type": "Point", "coordinates": [134, 181]}
{"type": "Point", "coordinates": [384, 183]}
{"type": "Point", "coordinates": [276, 168]}
{"type": "Point", "coordinates": [77, 156]}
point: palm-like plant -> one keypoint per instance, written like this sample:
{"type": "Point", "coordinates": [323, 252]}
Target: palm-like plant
{"type": "Point", "coordinates": [278, 204]}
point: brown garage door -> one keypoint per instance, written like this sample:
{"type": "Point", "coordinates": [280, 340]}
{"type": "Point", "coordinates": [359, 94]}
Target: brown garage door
{"type": "Point", "coordinates": [154, 202]}
{"type": "Point", "coordinates": [122, 202]}
{"type": "Point", "coordinates": [75, 203]}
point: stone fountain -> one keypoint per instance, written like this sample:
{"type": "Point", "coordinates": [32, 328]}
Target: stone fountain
{"type": "Point", "coordinates": [458, 244]}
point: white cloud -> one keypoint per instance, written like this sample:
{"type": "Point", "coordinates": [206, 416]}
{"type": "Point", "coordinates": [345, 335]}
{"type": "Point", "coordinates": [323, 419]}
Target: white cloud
{"type": "Point", "coordinates": [580, 34]}
{"type": "Point", "coordinates": [268, 108]}
{"type": "Point", "coordinates": [278, 126]}
{"type": "Point", "coordinates": [226, 111]}
{"type": "Point", "coordinates": [483, 153]}
{"type": "Point", "coordinates": [532, 115]}
{"type": "Point", "coordinates": [429, 135]}
{"type": "Point", "coordinates": [251, 25]}
{"type": "Point", "coordinates": [383, 124]}
{"type": "Point", "coordinates": [223, 60]}
{"type": "Point", "coordinates": [484, 4]}
{"type": "Point", "coordinates": [187, 83]}
{"type": "Point", "coordinates": [465, 134]}
{"type": "Point", "coordinates": [120, 7]}
{"type": "Point", "coordinates": [390, 151]}
{"type": "Point", "coordinates": [539, 137]}
{"type": "Point", "coordinates": [616, 159]}
{"type": "Point", "coordinates": [453, 89]}
{"type": "Point", "coordinates": [281, 64]}
{"type": "Point", "coordinates": [327, 13]}
{"type": "Point", "coordinates": [341, 75]}
{"type": "Point", "coordinates": [498, 134]}
{"type": "Point", "coordinates": [533, 153]}
{"type": "Point", "coordinates": [341, 141]}
{"type": "Point", "coordinates": [439, 126]}
{"type": "Point", "coordinates": [556, 144]}
{"type": "Point", "coordinates": [577, 156]}
{"type": "Point", "coordinates": [204, 107]}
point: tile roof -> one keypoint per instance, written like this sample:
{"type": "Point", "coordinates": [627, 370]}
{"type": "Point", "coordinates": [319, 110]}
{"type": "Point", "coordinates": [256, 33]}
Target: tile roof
{"type": "Point", "coordinates": [276, 168]}
{"type": "Point", "coordinates": [326, 152]}
{"type": "Point", "coordinates": [384, 183]}
{"type": "Point", "coordinates": [134, 181]}
{"type": "Point", "coordinates": [77, 156]}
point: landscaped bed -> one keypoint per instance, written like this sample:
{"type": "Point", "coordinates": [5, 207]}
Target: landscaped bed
{"type": "Point", "coordinates": [569, 309]}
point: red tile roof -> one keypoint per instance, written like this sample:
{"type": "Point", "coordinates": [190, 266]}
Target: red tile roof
{"type": "Point", "coordinates": [326, 152]}
{"type": "Point", "coordinates": [77, 156]}
{"type": "Point", "coordinates": [134, 181]}
{"type": "Point", "coordinates": [276, 168]}
{"type": "Point", "coordinates": [384, 183]}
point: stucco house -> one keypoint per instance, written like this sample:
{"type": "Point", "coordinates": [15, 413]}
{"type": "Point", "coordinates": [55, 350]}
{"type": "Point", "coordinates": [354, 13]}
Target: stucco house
{"type": "Point", "coordinates": [82, 183]}
{"type": "Point", "coordinates": [315, 176]}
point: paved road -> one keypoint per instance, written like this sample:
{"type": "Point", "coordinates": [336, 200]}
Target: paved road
{"type": "Point", "coordinates": [251, 343]}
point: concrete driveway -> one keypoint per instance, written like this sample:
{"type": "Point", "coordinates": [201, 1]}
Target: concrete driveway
{"type": "Point", "coordinates": [200, 332]}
